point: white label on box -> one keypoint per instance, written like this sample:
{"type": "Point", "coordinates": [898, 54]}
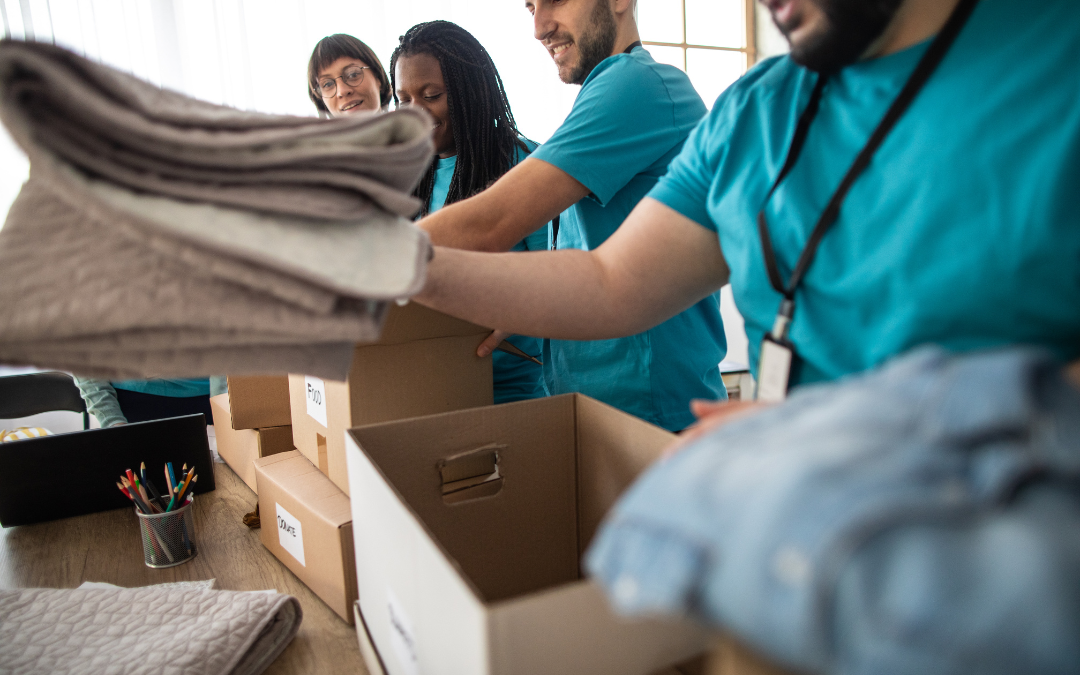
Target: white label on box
{"type": "Point", "coordinates": [290, 534]}
{"type": "Point", "coordinates": [315, 393]}
{"type": "Point", "coordinates": [401, 635]}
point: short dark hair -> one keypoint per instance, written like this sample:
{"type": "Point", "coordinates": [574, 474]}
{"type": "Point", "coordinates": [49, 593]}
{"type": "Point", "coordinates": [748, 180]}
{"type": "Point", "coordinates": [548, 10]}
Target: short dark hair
{"type": "Point", "coordinates": [486, 138]}
{"type": "Point", "coordinates": [332, 48]}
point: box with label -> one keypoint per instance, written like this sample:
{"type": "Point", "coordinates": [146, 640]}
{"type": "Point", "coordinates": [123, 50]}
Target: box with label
{"type": "Point", "coordinates": [259, 401]}
{"type": "Point", "coordinates": [240, 447]}
{"type": "Point", "coordinates": [469, 527]}
{"type": "Point", "coordinates": [424, 363]}
{"type": "Point", "coordinates": [307, 524]}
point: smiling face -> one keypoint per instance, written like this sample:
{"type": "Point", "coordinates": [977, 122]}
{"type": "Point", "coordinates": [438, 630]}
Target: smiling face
{"type": "Point", "coordinates": [578, 34]}
{"type": "Point", "coordinates": [826, 35]}
{"type": "Point", "coordinates": [419, 81]}
{"type": "Point", "coordinates": [363, 97]}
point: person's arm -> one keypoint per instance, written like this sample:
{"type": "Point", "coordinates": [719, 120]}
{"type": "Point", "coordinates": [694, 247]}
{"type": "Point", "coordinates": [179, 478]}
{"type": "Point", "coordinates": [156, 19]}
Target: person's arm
{"type": "Point", "coordinates": [521, 202]}
{"type": "Point", "coordinates": [657, 264]}
{"type": "Point", "coordinates": [100, 399]}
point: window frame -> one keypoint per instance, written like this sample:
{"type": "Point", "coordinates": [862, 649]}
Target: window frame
{"type": "Point", "coordinates": [751, 38]}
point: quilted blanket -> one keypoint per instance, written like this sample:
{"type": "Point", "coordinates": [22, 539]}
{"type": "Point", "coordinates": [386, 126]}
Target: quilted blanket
{"type": "Point", "coordinates": [161, 236]}
{"type": "Point", "coordinates": [125, 631]}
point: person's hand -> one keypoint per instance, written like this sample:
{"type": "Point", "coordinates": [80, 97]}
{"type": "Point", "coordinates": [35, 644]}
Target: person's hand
{"type": "Point", "coordinates": [712, 415]}
{"type": "Point", "coordinates": [492, 341]}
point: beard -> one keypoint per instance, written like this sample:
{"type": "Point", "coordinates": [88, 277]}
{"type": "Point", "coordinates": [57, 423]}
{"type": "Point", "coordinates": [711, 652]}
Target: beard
{"type": "Point", "coordinates": [595, 44]}
{"type": "Point", "coordinates": [851, 27]}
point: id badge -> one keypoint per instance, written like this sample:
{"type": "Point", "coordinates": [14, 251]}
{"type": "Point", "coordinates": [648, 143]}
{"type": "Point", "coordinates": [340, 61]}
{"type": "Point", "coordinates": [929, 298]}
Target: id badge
{"type": "Point", "coordinates": [774, 369]}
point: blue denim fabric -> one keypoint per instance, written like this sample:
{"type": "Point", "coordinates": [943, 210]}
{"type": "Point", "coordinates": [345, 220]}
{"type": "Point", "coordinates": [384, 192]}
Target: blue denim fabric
{"type": "Point", "coordinates": [922, 518]}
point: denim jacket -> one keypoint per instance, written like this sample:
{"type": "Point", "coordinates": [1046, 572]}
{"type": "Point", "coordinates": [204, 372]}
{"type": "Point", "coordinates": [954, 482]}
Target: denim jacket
{"type": "Point", "coordinates": [922, 518]}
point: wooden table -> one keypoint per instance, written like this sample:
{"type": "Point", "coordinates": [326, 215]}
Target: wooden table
{"type": "Point", "coordinates": [106, 547]}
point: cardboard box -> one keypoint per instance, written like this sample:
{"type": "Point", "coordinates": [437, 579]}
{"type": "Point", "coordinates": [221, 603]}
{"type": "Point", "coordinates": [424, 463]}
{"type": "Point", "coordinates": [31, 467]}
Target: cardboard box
{"type": "Point", "coordinates": [240, 447]}
{"type": "Point", "coordinates": [469, 528]}
{"type": "Point", "coordinates": [307, 525]}
{"type": "Point", "coordinates": [425, 363]}
{"type": "Point", "coordinates": [259, 401]}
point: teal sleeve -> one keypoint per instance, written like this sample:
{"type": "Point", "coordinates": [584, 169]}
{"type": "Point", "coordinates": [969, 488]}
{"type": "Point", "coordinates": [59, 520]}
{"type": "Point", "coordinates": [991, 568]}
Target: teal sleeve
{"type": "Point", "coordinates": [685, 187]}
{"type": "Point", "coordinates": [100, 399]}
{"type": "Point", "coordinates": [609, 136]}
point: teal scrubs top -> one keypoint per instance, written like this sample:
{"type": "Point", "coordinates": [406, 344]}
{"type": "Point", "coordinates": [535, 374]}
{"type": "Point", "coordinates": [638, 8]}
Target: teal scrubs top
{"type": "Point", "coordinates": [629, 121]}
{"type": "Point", "coordinates": [964, 231]}
{"type": "Point", "coordinates": [515, 379]}
{"type": "Point", "coordinates": [172, 388]}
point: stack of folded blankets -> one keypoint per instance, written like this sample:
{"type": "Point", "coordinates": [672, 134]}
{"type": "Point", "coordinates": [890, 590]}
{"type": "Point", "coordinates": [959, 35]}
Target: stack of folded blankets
{"type": "Point", "coordinates": [161, 236]}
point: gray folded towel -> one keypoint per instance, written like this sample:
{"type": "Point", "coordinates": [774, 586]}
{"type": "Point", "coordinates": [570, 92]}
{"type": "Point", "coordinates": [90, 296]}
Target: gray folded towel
{"type": "Point", "coordinates": [143, 630]}
{"type": "Point", "coordinates": [161, 236]}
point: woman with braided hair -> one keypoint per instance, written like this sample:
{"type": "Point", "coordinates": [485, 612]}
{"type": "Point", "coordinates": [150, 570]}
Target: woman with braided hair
{"type": "Point", "coordinates": [440, 67]}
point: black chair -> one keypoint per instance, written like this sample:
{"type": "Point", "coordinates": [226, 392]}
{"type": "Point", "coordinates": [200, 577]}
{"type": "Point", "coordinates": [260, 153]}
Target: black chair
{"type": "Point", "coordinates": [25, 395]}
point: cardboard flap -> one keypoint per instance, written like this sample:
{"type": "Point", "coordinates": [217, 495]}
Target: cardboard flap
{"type": "Point", "coordinates": [413, 322]}
{"type": "Point", "coordinates": [524, 537]}
{"type": "Point", "coordinates": [259, 401]}
{"type": "Point", "coordinates": [613, 449]}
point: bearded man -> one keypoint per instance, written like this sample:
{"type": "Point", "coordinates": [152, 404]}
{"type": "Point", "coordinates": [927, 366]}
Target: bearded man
{"type": "Point", "coordinates": [906, 175]}
{"type": "Point", "coordinates": [629, 121]}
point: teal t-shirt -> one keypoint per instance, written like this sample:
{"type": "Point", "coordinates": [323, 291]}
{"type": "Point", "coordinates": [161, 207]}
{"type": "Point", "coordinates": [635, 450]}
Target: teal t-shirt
{"type": "Point", "coordinates": [515, 379]}
{"type": "Point", "coordinates": [173, 388]}
{"type": "Point", "coordinates": [629, 121]}
{"type": "Point", "coordinates": [964, 231]}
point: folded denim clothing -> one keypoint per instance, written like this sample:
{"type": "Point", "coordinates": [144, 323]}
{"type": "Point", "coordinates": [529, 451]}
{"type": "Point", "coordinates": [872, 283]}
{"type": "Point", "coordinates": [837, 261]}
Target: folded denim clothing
{"type": "Point", "coordinates": [160, 236]}
{"type": "Point", "coordinates": [921, 518]}
{"type": "Point", "coordinates": [155, 629]}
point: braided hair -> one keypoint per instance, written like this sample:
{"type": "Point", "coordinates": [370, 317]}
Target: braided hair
{"type": "Point", "coordinates": [486, 138]}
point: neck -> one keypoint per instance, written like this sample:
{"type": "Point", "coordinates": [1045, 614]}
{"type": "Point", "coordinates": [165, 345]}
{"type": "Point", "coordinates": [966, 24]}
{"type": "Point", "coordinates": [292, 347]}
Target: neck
{"type": "Point", "coordinates": [627, 33]}
{"type": "Point", "coordinates": [915, 22]}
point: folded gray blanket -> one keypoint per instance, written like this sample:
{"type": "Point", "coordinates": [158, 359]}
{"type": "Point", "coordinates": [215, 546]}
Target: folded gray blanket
{"type": "Point", "coordinates": [161, 236]}
{"type": "Point", "coordinates": [143, 630]}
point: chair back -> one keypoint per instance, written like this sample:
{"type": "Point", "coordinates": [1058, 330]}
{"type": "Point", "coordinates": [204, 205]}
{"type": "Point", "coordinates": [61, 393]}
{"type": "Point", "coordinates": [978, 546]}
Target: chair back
{"type": "Point", "coordinates": [25, 395]}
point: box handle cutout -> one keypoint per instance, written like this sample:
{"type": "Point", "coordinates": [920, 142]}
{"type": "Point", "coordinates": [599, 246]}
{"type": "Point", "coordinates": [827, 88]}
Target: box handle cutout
{"type": "Point", "coordinates": [472, 474]}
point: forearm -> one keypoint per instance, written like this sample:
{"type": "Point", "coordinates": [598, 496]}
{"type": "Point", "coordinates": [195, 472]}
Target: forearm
{"type": "Point", "coordinates": [518, 204]}
{"type": "Point", "coordinates": [560, 294]}
{"type": "Point", "coordinates": [100, 399]}
{"type": "Point", "coordinates": [657, 264]}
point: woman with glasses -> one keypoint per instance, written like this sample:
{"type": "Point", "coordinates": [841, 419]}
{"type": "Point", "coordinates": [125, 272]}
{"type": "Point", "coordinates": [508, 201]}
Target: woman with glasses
{"type": "Point", "coordinates": [345, 77]}
{"type": "Point", "coordinates": [442, 68]}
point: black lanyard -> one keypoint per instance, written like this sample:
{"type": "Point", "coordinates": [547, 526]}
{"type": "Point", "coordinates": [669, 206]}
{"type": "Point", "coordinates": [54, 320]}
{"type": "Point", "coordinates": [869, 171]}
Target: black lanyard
{"type": "Point", "coordinates": [926, 67]}
{"type": "Point", "coordinates": [636, 43]}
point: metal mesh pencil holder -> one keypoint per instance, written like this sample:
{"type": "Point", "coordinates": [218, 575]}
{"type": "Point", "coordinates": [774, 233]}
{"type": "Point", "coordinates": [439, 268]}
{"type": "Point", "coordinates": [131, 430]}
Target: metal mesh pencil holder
{"type": "Point", "coordinates": [168, 539]}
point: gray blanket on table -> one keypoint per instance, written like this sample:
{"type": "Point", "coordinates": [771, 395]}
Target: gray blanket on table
{"type": "Point", "coordinates": [161, 236]}
{"type": "Point", "coordinates": [143, 630]}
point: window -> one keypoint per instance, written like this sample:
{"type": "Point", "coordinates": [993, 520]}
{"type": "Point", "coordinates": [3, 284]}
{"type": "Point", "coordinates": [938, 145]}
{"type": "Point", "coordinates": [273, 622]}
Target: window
{"type": "Point", "coordinates": [712, 41]}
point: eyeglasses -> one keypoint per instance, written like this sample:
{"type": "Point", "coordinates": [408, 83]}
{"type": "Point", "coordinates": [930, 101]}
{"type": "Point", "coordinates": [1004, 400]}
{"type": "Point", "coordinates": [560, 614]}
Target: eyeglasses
{"type": "Point", "coordinates": [353, 77]}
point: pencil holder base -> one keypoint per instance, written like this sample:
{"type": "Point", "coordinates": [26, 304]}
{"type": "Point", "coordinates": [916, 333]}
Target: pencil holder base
{"type": "Point", "coordinates": [168, 539]}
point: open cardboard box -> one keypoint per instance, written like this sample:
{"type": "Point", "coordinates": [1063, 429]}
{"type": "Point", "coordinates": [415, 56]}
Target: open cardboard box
{"type": "Point", "coordinates": [259, 401]}
{"type": "Point", "coordinates": [307, 525]}
{"type": "Point", "coordinates": [241, 447]}
{"type": "Point", "coordinates": [424, 363]}
{"type": "Point", "coordinates": [469, 527]}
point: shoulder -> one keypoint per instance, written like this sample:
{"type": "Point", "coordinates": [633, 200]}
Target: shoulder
{"type": "Point", "coordinates": [776, 82]}
{"type": "Point", "coordinates": [634, 72]}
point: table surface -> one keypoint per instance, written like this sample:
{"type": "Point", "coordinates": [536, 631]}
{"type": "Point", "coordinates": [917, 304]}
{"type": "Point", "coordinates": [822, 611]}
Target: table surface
{"type": "Point", "coordinates": [106, 547]}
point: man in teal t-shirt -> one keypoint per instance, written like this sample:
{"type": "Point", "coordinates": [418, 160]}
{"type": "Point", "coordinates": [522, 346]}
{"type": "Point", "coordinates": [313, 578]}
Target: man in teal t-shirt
{"type": "Point", "coordinates": [962, 231]}
{"type": "Point", "coordinates": [629, 120]}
